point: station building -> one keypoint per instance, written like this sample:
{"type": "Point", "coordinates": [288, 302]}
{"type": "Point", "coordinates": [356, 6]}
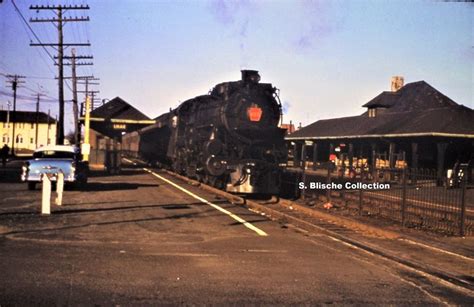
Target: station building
{"type": "Point", "coordinates": [32, 130]}
{"type": "Point", "coordinates": [413, 125]}
{"type": "Point", "coordinates": [107, 125]}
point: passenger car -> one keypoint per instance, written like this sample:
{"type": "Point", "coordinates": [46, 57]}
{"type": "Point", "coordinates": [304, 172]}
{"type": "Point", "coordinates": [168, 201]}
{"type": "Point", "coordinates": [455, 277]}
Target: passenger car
{"type": "Point", "coordinates": [52, 159]}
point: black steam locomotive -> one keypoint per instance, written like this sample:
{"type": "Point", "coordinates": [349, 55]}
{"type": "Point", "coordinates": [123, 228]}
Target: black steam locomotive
{"type": "Point", "coordinates": [229, 138]}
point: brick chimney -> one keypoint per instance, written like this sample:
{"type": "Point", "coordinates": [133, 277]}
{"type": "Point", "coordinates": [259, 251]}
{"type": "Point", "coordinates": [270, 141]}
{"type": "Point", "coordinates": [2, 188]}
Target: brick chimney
{"type": "Point", "coordinates": [397, 83]}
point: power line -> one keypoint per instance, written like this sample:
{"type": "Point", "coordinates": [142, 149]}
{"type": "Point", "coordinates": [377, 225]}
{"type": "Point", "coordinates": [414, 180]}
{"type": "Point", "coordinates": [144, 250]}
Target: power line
{"type": "Point", "coordinates": [31, 29]}
{"type": "Point", "coordinates": [59, 21]}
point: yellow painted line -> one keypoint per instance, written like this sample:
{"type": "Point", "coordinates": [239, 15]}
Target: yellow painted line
{"type": "Point", "coordinates": [235, 217]}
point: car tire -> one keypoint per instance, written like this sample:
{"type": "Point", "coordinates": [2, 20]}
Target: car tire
{"type": "Point", "coordinates": [31, 186]}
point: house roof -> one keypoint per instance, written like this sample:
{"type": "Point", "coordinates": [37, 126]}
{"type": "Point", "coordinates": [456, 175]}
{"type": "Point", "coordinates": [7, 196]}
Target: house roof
{"type": "Point", "coordinates": [118, 109]}
{"type": "Point", "coordinates": [417, 109]}
{"type": "Point", "coordinates": [25, 117]}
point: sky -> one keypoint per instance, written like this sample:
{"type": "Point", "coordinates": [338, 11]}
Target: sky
{"type": "Point", "coordinates": [328, 58]}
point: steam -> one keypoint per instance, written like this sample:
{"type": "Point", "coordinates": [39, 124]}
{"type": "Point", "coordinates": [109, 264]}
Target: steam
{"type": "Point", "coordinates": [285, 107]}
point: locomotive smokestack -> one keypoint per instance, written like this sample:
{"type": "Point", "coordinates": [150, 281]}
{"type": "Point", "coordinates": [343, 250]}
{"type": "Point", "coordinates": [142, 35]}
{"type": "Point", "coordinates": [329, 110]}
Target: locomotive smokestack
{"type": "Point", "coordinates": [250, 76]}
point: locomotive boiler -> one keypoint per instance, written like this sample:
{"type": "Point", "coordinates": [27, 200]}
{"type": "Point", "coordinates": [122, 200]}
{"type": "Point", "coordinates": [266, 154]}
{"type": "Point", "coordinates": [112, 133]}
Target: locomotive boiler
{"type": "Point", "coordinates": [229, 138]}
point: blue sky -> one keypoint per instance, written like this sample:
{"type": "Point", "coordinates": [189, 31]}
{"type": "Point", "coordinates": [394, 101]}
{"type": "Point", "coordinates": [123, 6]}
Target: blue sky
{"type": "Point", "coordinates": [327, 57]}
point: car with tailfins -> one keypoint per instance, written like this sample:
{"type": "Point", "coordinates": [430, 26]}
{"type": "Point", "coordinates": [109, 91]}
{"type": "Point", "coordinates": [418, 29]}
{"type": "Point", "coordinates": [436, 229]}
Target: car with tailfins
{"type": "Point", "coordinates": [52, 160]}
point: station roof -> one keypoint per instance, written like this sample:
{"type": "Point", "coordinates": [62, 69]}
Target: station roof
{"type": "Point", "coordinates": [417, 109]}
{"type": "Point", "coordinates": [118, 110]}
{"type": "Point", "coordinates": [26, 117]}
{"type": "Point", "coordinates": [116, 117]}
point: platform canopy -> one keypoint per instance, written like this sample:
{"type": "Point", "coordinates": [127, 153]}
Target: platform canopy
{"type": "Point", "coordinates": [117, 116]}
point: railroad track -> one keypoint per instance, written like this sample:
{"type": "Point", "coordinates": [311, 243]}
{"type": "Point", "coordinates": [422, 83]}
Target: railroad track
{"type": "Point", "coordinates": [290, 213]}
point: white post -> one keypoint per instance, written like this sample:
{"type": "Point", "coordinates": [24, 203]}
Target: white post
{"type": "Point", "coordinates": [59, 188]}
{"type": "Point", "coordinates": [46, 197]}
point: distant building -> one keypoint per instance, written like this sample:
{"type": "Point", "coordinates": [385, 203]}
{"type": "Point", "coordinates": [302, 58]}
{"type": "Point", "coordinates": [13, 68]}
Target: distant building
{"type": "Point", "coordinates": [290, 128]}
{"type": "Point", "coordinates": [26, 129]}
{"type": "Point", "coordinates": [414, 121]}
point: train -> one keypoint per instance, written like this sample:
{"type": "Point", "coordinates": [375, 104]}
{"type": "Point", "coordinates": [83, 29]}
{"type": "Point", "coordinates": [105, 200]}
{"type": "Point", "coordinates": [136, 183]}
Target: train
{"type": "Point", "coordinates": [229, 138]}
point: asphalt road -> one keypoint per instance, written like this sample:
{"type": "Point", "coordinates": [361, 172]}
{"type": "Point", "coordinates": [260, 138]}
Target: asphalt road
{"type": "Point", "coordinates": [136, 239]}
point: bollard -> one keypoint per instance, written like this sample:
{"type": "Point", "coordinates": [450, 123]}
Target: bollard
{"type": "Point", "coordinates": [59, 188]}
{"type": "Point", "coordinates": [46, 197]}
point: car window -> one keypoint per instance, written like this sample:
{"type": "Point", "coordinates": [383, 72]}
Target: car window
{"type": "Point", "coordinates": [54, 154]}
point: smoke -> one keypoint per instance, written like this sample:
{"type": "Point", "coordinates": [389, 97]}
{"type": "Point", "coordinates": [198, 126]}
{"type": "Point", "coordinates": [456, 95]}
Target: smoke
{"type": "Point", "coordinates": [285, 107]}
{"type": "Point", "coordinates": [234, 15]}
{"type": "Point", "coordinates": [318, 25]}
{"type": "Point", "coordinates": [226, 12]}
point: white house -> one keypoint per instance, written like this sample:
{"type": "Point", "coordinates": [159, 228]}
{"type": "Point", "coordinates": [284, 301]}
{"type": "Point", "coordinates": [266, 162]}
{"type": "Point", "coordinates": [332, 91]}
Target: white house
{"type": "Point", "coordinates": [28, 134]}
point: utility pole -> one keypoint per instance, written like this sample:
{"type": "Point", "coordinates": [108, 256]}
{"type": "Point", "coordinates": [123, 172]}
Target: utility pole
{"type": "Point", "coordinates": [37, 119]}
{"type": "Point", "coordinates": [8, 114]}
{"type": "Point", "coordinates": [14, 80]}
{"type": "Point", "coordinates": [74, 63]}
{"type": "Point", "coordinates": [59, 22]}
{"type": "Point", "coordinates": [74, 96]}
{"type": "Point", "coordinates": [86, 83]}
{"type": "Point", "coordinates": [38, 97]}
{"type": "Point", "coordinates": [47, 134]}
{"type": "Point", "coordinates": [73, 58]}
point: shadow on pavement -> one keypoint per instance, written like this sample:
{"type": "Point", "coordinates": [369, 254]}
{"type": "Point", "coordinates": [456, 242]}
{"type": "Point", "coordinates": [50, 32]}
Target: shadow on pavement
{"type": "Point", "coordinates": [122, 208]}
{"type": "Point", "coordinates": [123, 172]}
{"type": "Point", "coordinates": [10, 175]}
{"type": "Point", "coordinates": [203, 213]}
{"type": "Point", "coordinates": [102, 186]}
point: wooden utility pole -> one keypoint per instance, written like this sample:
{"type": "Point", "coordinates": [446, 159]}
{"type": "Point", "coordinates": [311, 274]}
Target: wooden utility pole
{"type": "Point", "coordinates": [37, 119]}
{"type": "Point", "coordinates": [74, 63]}
{"type": "Point", "coordinates": [47, 131]}
{"type": "Point", "coordinates": [59, 21]}
{"type": "Point", "coordinates": [74, 96]}
{"type": "Point", "coordinates": [14, 80]}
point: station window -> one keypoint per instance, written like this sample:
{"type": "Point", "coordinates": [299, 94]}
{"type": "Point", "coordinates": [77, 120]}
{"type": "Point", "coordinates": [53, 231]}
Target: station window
{"type": "Point", "coordinates": [32, 125]}
{"type": "Point", "coordinates": [49, 141]}
{"type": "Point", "coordinates": [31, 140]}
{"type": "Point", "coordinates": [5, 138]}
{"type": "Point", "coordinates": [372, 112]}
{"type": "Point", "coordinates": [19, 139]}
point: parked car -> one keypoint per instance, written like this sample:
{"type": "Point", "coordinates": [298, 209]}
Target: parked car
{"type": "Point", "coordinates": [52, 159]}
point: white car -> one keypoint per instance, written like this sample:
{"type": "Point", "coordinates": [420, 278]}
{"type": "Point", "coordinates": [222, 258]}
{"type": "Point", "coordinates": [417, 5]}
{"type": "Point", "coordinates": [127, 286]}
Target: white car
{"type": "Point", "coordinates": [52, 159]}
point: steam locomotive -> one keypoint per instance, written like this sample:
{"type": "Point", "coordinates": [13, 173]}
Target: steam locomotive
{"type": "Point", "coordinates": [229, 138]}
